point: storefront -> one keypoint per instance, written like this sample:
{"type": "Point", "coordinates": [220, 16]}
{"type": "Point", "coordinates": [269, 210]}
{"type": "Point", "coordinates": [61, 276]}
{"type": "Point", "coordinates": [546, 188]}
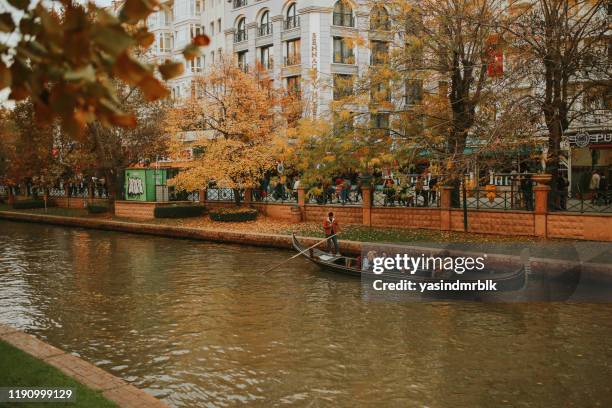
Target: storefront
{"type": "Point", "coordinates": [588, 151]}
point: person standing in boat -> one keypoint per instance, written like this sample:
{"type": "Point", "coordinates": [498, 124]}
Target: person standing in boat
{"type": "Point", "coordinates": [331, 227]}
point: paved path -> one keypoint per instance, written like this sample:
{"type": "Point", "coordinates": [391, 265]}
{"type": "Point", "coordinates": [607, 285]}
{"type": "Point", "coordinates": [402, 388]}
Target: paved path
{"type": "Point", "coordinates": [113, 388]}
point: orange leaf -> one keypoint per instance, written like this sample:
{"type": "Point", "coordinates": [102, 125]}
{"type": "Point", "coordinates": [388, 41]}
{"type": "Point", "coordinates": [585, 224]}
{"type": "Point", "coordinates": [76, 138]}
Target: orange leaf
{"type": "Point", "coordinates": [170, 69]}
{"type": "Point", "coordinates": [153, 89]}
{"type": "Point", "coordinates": [201, 40]}
{"type": "Point", "coordinates": [129, 70]}
{"type": "Point", "coordinates": [123, 120]}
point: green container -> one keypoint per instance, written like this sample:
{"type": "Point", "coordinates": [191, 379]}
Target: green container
{"type": "Point", "coordinates": [141, 184]}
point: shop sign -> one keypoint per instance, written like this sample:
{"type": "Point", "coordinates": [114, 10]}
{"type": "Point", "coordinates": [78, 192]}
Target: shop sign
{"type": "Point", "coordinates": [585, 139]}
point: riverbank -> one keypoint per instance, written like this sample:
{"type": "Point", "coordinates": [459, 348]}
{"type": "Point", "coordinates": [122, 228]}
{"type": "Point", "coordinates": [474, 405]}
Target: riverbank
{"type": "Point", "coordinates": [595, 259]}
{"type": "Point", "coordinates": [29, 362]}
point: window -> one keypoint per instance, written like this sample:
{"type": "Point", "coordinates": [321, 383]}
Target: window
{"type": "Point", "coordinates": [380, 91]}
{"type": "Point", "coordinates": [292, 53]}
{"type": "Point", "coordinates": [212, 57]}
{"type": "Point", "coordinates": [343, 53]}
{"type": "Point", "coordinates": [414, 91]}
{"type": "Point", "coordinates": [265, 57]}
{"type": "Point", "coordinates": [598, 98]}
{"type": "Point", "coordinates": [166, 17]}
{"type": "Point", "coordinates": [212, 28]}
{"type": "Point", "coordinates": [196, 64]}
{"type": "Point", "coordinates": [292, 20]}
{"type": "Point", "coordinates": [165, 42]}
{"type": "Point", "coordinates": [265, 27]}
{"type": "Point", "coordinates": [343, 14]}
{"type": "Point", "coordinates": [380, 123]}
{"type": "Point", "coordinates": [294, 86]}
{"type": "Point", "coordinates": [240, 3]}
{"type": "Point", "coordinates": [219, 25]}
{"type": "Point", "coordinates": [196, 30]}
{"type": "Point", "coordinates": [242, 60]}
{"type": "Point", "coordinates": [379, 18]}
{"type": "Point", "coordinates": [341, 125]}
{"type": "Point", "coordinates": [379, 52]}
{"type": "Point", "coordinates": [196, 7]}
{"type": "Point", "coordinates": [343, 86]}
{"type": "Point", "coordinates": [241, 34]}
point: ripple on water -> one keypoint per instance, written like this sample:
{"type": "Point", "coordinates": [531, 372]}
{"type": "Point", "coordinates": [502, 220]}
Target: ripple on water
{"type": "Point", "coordinates": [195, 324]}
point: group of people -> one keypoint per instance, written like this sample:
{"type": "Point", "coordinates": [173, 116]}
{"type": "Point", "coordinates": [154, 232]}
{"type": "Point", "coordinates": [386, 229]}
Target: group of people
{"type": "Point", "coordinates": [421, 192]}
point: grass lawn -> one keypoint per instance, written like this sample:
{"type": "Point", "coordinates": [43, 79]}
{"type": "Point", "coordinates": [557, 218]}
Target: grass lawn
{"type": "Point", "coordinates": [19, 369]}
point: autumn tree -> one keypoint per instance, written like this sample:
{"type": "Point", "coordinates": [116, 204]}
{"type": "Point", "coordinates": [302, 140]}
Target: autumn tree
{"type": "Point", "coordinates": [106, 151]}
{"type": "Point", "coordinates": [240, 120]}
{"type": "Point", "coordinates": [63, 55]}
{"type": "Point", "coordinates": [26, 149]}
{"type": "Point", "coordinates": [563, 46]}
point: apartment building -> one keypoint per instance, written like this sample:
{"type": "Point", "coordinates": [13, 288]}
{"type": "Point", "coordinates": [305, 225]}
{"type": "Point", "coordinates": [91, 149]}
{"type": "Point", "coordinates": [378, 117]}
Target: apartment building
{"type": "Point", "coordinates": [175, 24]}
{"type": "Point", "coordinates": [290, 38]}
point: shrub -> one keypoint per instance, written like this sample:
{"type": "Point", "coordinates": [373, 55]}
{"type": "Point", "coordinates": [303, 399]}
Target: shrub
{"type": "Point", "coordinates": [28, 204]}
{"type": "Point", "coordinates": [179, 211]}
{"type": "Point", "coordinates": [233, 214]}
{"type": "Point", "coordinates": [97, 209]}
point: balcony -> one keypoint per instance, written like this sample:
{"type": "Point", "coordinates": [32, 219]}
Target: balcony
{"type": "Point", "coordinates": [239, 3]}
{"type": "Point", "coordinates": [344, 20]}
{"type": "Point", "coordinates": [293, 60]}
{"type": "Point", "coordinates": [267, 64]}
{"type": "Point", "coordinates": [240, 36]}
{"type": "Point", "coordinates": [341, 58]}
{"type": "Point", "coordinates": [264, 29]}
{"type": "Point", "coordinates": [291, 22]}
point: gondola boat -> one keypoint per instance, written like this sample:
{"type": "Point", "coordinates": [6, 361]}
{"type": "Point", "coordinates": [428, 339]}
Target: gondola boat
{"type": "Point", "coordinates": [513, 280]}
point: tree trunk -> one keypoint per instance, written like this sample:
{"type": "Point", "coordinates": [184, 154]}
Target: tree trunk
{"type": "Point", "coordinates": [237, 197]}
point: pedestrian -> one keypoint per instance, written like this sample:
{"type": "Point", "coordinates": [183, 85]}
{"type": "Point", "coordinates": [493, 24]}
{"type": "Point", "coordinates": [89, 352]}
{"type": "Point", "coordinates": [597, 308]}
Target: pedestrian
{"type": "Point", "coordinates": [331, 228]}
{"type": "Point", "coordinates": [527, 190]}
{"type": "Point", "coordinates": [594, 186]}
{"type": "Point", "coordinates": [562, 185]}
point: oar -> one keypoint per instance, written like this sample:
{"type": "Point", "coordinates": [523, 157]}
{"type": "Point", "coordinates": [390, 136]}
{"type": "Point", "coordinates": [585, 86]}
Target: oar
{"type": "Point", "coordinates": [299, 253]}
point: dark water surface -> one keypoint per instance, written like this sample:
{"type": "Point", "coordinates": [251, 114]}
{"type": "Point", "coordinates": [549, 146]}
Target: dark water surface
{"type": "Point", "coordinates": [196, 325]}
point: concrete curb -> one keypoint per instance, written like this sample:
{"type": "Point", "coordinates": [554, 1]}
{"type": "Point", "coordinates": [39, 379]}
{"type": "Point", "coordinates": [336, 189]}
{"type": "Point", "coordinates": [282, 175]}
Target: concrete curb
{"type": "Point", "coordinates": [112, 388]}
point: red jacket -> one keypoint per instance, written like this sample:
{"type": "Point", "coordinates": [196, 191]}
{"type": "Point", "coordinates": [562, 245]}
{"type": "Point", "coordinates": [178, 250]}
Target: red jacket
{"type": "Point", "coordinates": [331, 227]}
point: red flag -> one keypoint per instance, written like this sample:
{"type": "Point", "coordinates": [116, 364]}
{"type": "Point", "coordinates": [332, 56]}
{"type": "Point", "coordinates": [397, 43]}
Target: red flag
{"type": "Point", "coordinates": [495, 66]}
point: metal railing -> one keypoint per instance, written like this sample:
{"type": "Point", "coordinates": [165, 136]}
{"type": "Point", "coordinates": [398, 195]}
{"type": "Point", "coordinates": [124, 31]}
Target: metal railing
{"type": "Point", "coordinates": [335, 195]}
{"type": "Point", "coordinates": [483, 199]}
{"type": "Point", "coordinates": [293, 60]}
{"type": "Point", "coordinates": [583, 202]}
{"type": "Point", "coordinates": [240, 36]}
{"type": "Point", "coordinates": [291, 22]}
{"type": "Point", "coordinates": [276, 195]}
{"type": "Point", "coordinates": [405, 196]}
{"type": "Point", "coordinates": [344, 20]}
{"type": "Point", "coordinates": [222, 194]}
{"type": "Point", "coordinates": [264, 29]}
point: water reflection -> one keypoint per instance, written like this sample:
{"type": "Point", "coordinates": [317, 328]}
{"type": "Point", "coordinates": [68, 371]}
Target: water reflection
{"type": "Point", "coordinates": [196, 324]}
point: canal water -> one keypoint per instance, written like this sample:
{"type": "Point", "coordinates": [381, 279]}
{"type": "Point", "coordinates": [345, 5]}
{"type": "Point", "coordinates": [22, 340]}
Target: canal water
{"type": "Point", "coordinates": [198, 324]}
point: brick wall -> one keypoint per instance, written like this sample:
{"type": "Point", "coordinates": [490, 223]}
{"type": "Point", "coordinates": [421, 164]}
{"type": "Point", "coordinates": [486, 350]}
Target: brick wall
{"type": "Point", "coordinates": [580, 226]}
{"type": "Point", "coordinates": [428, 218]}
{"type": "Point", "coordinates": [494, 222]}
{"type": "Point", "coordinates": [135, 209]}
{"type": "Point", "coordinates": [345, 214]}
{"type": "Point", "coordinates": [77, 202]}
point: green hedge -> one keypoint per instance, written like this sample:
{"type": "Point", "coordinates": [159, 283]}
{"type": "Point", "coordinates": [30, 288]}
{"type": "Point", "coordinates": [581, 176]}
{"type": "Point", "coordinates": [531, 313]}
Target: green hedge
{"type": "Point", "coordinates": [97, 209]}
{"type": "Point", "coordinates": [28, 204]}
{"type": "Point", "coordinates": [233, 214]}
{"type": "Point", "coordinates": [179, 211]}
